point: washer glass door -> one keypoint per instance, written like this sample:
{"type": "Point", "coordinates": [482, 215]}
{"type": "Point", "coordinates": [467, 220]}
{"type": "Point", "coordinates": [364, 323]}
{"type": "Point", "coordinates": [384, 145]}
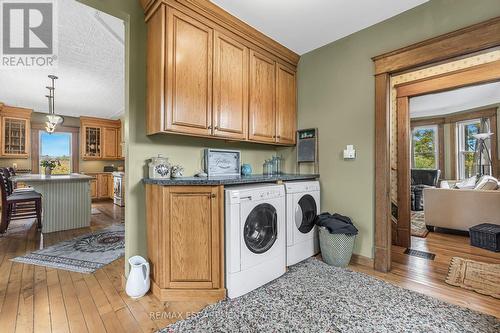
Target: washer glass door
{"type": "Point", "coordinates": [261, 228]}
{"type": "Point", "coordinates": [305, 214]}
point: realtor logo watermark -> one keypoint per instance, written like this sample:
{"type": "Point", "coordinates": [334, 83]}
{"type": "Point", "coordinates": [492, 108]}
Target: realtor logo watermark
{"type": "Point", "coordinates": [29, 31]}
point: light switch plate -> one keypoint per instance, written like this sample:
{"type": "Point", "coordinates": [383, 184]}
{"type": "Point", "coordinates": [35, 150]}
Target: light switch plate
{"type": "Point", "coordinates": [349, 153]}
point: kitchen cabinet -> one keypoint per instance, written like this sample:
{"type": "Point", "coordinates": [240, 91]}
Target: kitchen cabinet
{"type": "Point", "coordinates": [262, 110]}
{"type": "Point", "coordinates": [189, 79]}
{"type": "Point", "coordinates": [93, 189]}
{"type": "Point", "coordinates": [211, 75]}
{"type": "Point", "coordinates": [15, 132]}
{"type": "Point", "coordinates": [100, 139]}
{"type": "Point", "coordinates": [230, 87]}
{"type": "Point", "coordinates": [186, 265]}
{"type": "Point", "coordinates": [101, 186]}
{"type": "Point", "coordinates": [286, 105]}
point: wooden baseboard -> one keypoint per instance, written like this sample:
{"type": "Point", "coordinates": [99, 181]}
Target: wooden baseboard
{"type": "Point", "coordinates": [361, 260]}
{"type": "Point", "coordinates": [201, 295]}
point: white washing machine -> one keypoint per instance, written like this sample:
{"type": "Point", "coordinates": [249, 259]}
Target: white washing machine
{"type": "Point", "coordinates": [255, 236]}
{"type": "Point", "coordinates": [302, 207]}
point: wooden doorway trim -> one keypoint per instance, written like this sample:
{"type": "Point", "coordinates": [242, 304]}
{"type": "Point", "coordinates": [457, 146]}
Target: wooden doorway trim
{"type": "Point", "coordinates": [489, 72]}
{"type": "Point", "coordinates": [458, 43]}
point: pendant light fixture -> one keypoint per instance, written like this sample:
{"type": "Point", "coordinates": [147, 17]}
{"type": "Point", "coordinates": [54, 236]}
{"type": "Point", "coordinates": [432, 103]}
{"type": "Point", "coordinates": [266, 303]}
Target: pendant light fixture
{"type": "Point", "coordinates": [52, 119]}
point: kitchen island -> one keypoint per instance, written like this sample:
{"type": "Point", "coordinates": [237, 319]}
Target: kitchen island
{"type": "Point", "coordinates": [66, 202]}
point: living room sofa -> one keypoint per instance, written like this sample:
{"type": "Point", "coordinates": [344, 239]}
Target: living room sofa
{"type": "Point", "coordinates": [460, 209]}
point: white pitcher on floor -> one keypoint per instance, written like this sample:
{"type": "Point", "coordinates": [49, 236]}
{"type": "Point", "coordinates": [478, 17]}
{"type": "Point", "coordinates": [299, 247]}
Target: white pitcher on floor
{"type": "Point", "coordinates": [138, 277]}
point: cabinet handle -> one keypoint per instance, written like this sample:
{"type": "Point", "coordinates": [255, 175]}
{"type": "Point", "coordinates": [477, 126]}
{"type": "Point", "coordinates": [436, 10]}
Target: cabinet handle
{"type": "Point", "coordinates": [279, 137]}
{"type": "Point", "coordinates": [216, 128]}
{"type": "Point", "coordinates": [213, 196]}
{"type": "Point", "coordinates": [209, 126]}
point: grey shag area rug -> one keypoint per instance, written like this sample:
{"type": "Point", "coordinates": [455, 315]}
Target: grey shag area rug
{"type": "Point", "coordinates": [84, 254]}
{"type": "Point", "coordinates": [315, 297]}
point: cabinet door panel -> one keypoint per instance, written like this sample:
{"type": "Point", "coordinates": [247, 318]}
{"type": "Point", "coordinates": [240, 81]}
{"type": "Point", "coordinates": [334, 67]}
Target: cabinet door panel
{"type": "Point", "coordinates": [189, 74]}
{"type": "Point", "coordinates": [16, 137]}
{"type": "Point", "coordinates": [286, 105]}
{"type": "Point", "coordinates": [230, 88]}
{"type": "Point", "coordinates": [102, 185]}
{"type": "Point", "coordinates": [93, 188]}
{"type": "Point", "coordinates": [110, 142]}
{"type": "Point", "coordinates": [194, 234]}
{"type": "Point", "coordinates": [262, 116]}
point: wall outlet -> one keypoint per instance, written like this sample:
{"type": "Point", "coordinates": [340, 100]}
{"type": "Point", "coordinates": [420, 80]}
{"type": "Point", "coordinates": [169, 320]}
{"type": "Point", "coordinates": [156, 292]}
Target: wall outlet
{"type": "Point", "coordinates": [349, 153]}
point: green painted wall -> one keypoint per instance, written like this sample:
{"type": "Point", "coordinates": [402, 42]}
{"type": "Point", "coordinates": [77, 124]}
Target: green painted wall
{"type": "Point", "coordinates": [336, 94]}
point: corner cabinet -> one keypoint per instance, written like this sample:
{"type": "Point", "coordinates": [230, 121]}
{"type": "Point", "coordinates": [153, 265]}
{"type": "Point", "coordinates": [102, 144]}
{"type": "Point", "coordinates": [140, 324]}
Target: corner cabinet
{"type": "Point", "coordinates": [209, 78]}
{"type": "Point", "coordinates": [15, 132]}
{"type": "Point", "coordinates": [100, 139]}
{"type": "Point", "coordinates": [185, 233]}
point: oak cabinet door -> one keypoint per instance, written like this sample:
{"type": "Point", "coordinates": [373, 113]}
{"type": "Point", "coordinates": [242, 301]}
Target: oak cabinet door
{"type": "Point", "coordinates": [230, 91]}
{"type": "Point", "coordinates": [195, 237]}
{"type": "Point", "coordinates": [102, 185]}
{"type": "Point", "coordinates": [16, 137]}
{"type": "Point", "coordinates": [286, 105]}
{"type": "Point", "coordinates": [93, 188]}
{"type": "Point", "coordinates": [262, 116]}
{"type": "Point", "coordinates": [189, 75]}
{"type": "Point", "coordinates": [110, 142]}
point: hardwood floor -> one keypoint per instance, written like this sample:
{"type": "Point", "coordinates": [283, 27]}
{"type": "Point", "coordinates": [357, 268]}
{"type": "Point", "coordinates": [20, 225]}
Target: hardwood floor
{"type": "Point", "coordinates": [427, 276]}
{"type": "Point", "coordinates": [39, 299]}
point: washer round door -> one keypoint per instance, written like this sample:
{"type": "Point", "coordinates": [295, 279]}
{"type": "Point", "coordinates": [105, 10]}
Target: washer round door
{"type": "Point", "coordinates": [261, 228]}
{"type": "Point", "coordinates": [305, 213]}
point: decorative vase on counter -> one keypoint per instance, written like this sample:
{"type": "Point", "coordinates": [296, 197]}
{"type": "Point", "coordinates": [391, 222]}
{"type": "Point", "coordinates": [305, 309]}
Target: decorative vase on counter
{"type": "Point", "coordinates": [48, 171]}
{"type": "Point", "coordinates": [246, 169]}
{"type": "Point", "coordinates": [138, 282]}
{"type": "Point", "coordinates": [159, 168]}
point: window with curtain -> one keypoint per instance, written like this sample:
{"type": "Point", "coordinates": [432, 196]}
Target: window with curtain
{"type": "Point", "coordinates": [424, 147]}
{"type": "Point", "coordinates": [467, 145]}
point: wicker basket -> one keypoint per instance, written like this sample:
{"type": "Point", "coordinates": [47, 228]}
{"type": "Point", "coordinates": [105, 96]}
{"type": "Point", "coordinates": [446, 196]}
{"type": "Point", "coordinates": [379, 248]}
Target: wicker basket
{"type": "Point", "coordinates": [485, 236]}
{"type": "Point", "coordinates": [336, 249]}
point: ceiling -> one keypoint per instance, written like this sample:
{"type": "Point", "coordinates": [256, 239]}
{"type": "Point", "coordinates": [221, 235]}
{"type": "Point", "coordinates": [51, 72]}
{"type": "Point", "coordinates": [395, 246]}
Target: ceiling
{"type": "Point", "coordinates": [90, 67]}
{"type": "Point", "coordinates": [453, 101]}
{"type": "Point", "coordinates": [304, 25]}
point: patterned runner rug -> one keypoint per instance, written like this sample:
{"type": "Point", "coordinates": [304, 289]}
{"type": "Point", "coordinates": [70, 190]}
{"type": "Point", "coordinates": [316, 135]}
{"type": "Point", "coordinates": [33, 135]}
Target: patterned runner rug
{"type": "Point", "coordinates": [481, 277]}
{"type": "Point", "coordinates": [84, 254]}
{"type": "Point", "coordinates": [418, 227]}
{"type": "Point", "coordinates": [315, 297]}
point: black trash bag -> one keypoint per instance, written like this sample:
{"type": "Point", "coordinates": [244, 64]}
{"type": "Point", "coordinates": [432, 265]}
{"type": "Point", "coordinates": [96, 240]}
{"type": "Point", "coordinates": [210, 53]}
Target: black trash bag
{"type": "Point", "coordinates": [336, 224]}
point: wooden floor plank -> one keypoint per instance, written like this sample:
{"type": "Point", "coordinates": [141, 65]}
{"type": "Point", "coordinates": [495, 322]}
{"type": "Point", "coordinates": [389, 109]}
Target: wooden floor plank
{"type": "Point", "coordinates": [90, 312]}
{"type": "Point", "coordinates": [58, 317]}
{"type": "Point", "coordinates": [76, 319]}
{"type": "Point", "coordinates": [41, 311]}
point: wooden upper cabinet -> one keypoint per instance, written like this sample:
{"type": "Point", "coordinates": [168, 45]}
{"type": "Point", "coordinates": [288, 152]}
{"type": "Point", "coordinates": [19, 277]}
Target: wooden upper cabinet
{"type": "Point", "coordinates": [189, 74]}
{"type": "Point", "coordinates": [111, 142]}
{"type": "Point", "coordinates": [213, 76]}
{"type": "Point", "coordinates": [15, 131]}
{"type": "Point", "coordinates": [100, 139]}
{"type": "Point", "coordinates": [286, 105]}
{"type": "Point", "coordinates": [230, 88]}
{"type": "Point", "coordinates": [262, 112]}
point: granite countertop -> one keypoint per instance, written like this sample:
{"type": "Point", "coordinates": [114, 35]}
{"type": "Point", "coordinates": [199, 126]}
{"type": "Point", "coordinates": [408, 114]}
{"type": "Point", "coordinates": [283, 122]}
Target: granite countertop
{"type": "Point", "coordinates": [52, 178]}
{"type": "Point", "coordinates": [250, 179]}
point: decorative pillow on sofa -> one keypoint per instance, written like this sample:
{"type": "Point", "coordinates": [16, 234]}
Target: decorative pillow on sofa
{"type": "Point", "coordinates": [486, 183]}
{"type": "Point", "coordinates": [469, 183]}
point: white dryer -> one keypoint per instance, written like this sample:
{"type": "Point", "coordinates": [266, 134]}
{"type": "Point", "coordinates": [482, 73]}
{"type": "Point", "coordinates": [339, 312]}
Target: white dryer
{"type": "Point", "coordinates": [302, 207]}
{"type": "Point", "coordinates": [255, 236]}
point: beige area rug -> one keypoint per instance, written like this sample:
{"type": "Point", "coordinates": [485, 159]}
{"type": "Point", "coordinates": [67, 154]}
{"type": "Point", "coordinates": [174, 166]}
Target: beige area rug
{"type": "Point", "coordinates": [481, 277]}
{"type": "Point", "coordinates": [418, 227]}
